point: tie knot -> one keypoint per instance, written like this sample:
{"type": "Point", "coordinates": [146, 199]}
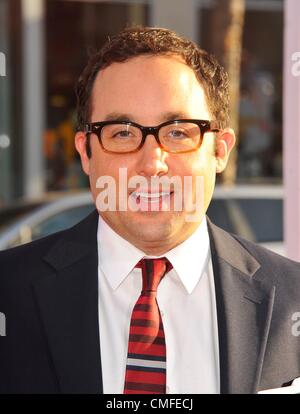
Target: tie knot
{"type": "Point", "coordinates": [153, 270]}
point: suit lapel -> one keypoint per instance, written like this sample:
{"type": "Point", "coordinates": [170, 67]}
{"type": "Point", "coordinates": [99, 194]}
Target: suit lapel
{"type": "Point", "coordinates": [68, 302]}
{"type": "Point", "coordinates": [244, 309]}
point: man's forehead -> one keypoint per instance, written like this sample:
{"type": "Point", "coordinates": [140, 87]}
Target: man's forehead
{"type": "Point", "coordinates": [169, 62]}
{"type": "Point", "coordinates": [163, 83]}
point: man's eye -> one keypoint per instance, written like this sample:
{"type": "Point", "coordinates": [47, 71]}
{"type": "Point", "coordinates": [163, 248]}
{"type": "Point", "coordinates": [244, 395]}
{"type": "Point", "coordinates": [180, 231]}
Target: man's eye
{"type": "Point", "coordinates": [122, 134]}
{"type": "Point", "coordinates": [177, 133]}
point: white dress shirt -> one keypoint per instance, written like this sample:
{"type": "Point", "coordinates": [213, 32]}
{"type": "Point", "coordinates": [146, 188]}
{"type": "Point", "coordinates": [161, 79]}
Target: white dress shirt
{"type": "Point", "coordinates": [186, 298]}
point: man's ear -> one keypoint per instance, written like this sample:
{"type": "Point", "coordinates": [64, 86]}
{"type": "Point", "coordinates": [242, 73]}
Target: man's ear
{"type": "Point", "coordinates": [224, 143]}
{"type": "Point", "coordinates": [80, 144]}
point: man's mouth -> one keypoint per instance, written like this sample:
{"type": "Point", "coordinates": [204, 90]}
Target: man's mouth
{"type": "Point", "coordinates": [155, 201]}
{"type": "Point", "coordinates": [151, 197]}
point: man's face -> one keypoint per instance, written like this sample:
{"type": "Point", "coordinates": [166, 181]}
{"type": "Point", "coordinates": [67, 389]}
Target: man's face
{"type": "Point", "coordinates": [149, 90]}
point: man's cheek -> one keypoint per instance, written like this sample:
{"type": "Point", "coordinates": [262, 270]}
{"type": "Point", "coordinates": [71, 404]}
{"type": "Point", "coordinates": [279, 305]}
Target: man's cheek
{"type": "Point", "coordinates": [94, 175]}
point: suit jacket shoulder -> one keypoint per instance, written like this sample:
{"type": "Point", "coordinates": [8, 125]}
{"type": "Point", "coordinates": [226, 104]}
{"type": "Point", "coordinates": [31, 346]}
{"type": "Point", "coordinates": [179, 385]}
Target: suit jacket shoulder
{"type": "Point", "coordinates": [258, 303]}
{"type": "Point", "coordinates": [49, 297]}
{"type": "Point", "coordinates": [233, 248]}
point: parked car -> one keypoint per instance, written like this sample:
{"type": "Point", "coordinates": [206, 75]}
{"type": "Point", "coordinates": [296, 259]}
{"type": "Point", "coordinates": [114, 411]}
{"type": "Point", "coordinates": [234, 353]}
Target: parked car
{"type": "Point", "coordinates": [32, 220]}
{"type": "Point", "coordinates": [253, 212]}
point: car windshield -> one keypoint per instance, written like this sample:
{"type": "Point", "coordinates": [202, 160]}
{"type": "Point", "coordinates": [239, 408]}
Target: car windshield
{"type": "Point", "coordinates": [61, 221]}
{"type": "Point", "coordinates": [9, 215]}
{"type": "Point", "coordinates": [256, 219]}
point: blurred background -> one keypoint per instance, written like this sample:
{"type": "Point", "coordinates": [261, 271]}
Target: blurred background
{"type": "Point", "coordinates": [47, 43]}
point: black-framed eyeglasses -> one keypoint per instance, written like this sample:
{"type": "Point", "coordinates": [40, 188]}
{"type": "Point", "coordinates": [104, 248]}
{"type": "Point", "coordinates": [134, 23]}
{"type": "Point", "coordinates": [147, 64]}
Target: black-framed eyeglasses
{"type": "Point", "coordinates": [175, 136]}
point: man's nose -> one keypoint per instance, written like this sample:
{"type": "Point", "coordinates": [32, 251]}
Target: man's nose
{"type": "Point", "coordinates": [151, 159]}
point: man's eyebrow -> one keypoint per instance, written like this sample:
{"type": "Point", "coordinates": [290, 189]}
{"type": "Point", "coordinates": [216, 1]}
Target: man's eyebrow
{"type": "Point", "coordinates": [117, 116]}
{"type": "Point", "coordinates": [168, 116]}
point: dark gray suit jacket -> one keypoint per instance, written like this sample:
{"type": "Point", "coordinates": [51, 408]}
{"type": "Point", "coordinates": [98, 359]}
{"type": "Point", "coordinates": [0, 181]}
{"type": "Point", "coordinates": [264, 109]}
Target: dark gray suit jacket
{"type": "Point", "coordinates": [49, 295]}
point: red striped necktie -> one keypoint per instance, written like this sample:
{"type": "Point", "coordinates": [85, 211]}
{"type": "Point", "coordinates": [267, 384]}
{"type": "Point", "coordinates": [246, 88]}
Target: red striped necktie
{"type": "Point", "coordinates": [146, 358]}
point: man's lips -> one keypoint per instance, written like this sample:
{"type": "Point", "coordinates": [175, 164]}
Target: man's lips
{"type": "Point", "coordinates": [150, 196]}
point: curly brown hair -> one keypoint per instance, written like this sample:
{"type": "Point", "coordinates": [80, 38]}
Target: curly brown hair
{"type": "Point", "coordinates": [139, 40]}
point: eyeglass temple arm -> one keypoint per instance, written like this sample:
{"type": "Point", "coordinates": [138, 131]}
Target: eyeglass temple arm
{"type": "Point", "coordinates": [215, 126]}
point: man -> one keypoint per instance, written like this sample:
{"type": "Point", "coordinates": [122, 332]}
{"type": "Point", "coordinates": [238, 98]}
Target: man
{"type": "Point", "coordinates": [215, 314]}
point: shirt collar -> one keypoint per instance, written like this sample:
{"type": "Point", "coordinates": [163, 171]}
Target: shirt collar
{"type": "Point", "coordinates": [118, 257]}
{"type": "Point", "coordinates": [190, 257]}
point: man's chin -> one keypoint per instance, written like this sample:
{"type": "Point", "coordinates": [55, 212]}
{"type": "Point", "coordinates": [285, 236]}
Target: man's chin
{"type": "Point", "coordinates": [153, 227]}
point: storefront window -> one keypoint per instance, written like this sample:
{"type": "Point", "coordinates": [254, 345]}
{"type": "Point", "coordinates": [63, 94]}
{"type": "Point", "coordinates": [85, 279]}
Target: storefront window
{"type": "Point", "coordinates": [8, 143]}
{"type": "Point", "coordinates": [260, 126]}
